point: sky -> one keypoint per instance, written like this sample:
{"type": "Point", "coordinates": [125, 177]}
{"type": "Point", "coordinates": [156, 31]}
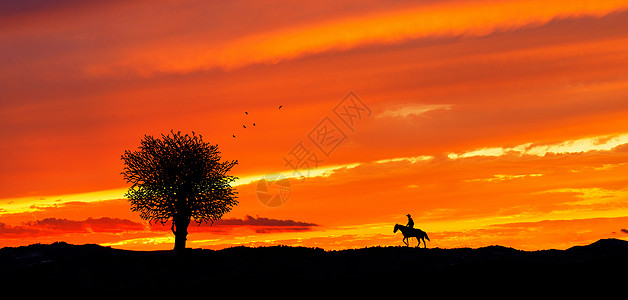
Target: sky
{"type": "Point", "coordinates": [490, 122]}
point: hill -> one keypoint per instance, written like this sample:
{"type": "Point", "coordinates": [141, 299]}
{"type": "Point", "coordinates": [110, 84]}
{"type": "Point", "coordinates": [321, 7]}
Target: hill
{"type": "Point", "coordinates": [63, 267]}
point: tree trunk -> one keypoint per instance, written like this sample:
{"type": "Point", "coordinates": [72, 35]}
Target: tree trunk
{"type": "Point", "coordinates": [180, 233]}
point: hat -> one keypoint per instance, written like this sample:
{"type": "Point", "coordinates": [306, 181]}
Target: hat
{"type": "Point", "coordinates": [408, 215]}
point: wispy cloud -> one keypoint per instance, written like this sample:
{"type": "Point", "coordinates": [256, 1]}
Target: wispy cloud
{"type": "Point", "coordinates": [592, 196]}
{"type": "Point", "coordinates": [598, 143]}
{"type": "Point", "coordinates": [503, 177]}
{"type": "Point", "coordinates": [412, 110]}
{"type": "Point", "coordinates": [411, 159]}
{"type": "Point", "coordinates": [329, 170]}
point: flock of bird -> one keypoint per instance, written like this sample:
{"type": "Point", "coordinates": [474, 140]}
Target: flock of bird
{"type": "Point", "coordinates": [247, 113]}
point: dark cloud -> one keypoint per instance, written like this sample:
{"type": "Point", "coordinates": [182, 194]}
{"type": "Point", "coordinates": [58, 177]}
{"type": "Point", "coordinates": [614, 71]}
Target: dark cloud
{"type": "Point", "coordinates": [52, 226]}
{"type": "Point", "coordinates": [621, 148]}
{"type": "Point", "coordinates": [16, 231]}
{"type": "Point", "coordinates": [624, 230]}
{"type": "Point", "coordinates": [104, 224]}
{"type": "Point", "coordinates": [258, 224]}
{"type": "Point", "coordinates": [261, 221]}
{"type": "Point", "coordinates": [280, 229]}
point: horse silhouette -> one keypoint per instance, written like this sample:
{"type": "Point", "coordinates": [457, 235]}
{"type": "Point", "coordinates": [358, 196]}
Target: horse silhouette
{"type": "Point", "coordinates": [412, 232]}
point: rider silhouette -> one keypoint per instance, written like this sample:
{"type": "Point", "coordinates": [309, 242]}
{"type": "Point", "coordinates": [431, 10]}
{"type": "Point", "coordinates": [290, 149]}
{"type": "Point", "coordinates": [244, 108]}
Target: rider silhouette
{"type": "Point", "coordinates": [410, 222]}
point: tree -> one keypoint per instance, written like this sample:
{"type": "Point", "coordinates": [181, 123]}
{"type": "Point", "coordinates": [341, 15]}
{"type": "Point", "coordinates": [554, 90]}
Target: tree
{"type": "Point", "coordinates": [178, 178]}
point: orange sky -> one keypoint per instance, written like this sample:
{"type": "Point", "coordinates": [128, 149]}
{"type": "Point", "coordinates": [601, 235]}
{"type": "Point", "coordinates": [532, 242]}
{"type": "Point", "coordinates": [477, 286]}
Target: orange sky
{"type": "Point", "coordinates": [491, 122]}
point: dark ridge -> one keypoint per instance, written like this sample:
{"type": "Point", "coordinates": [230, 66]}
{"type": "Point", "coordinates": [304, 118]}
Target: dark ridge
{"type": "Point", "coordinates": [603, 245]}
{"type": "Point", "coordinates": [62, 267]}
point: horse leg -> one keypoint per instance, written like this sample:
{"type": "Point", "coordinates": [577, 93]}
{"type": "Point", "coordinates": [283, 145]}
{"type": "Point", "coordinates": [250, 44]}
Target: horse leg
{"type": "Point", "coordinates": [405, 242]}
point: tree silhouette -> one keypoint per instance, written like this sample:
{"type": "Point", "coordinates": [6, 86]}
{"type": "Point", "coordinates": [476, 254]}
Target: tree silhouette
{"type": "Point", "coordinates": [179, 178]}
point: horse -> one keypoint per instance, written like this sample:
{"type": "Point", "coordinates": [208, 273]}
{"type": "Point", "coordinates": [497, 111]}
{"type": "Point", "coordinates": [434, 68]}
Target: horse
{"type": "Point", "coordinates": [412, 232]}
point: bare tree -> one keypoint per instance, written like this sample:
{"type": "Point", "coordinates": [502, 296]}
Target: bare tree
{"type": "Point", "coordinates": [179, 178]}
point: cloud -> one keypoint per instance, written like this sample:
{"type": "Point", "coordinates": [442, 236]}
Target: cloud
{"type": "Point", "coordinates": [343, 33]}
{"type": "Point", "coordinates": [479, 152]}
{"type": "Point", "coordinates": [598, 143]}
{"type": "Point", "coordinates": [591, 195]}
{"type": "Point", "coordinates": [54, 226]}
{"type": "Point", "coordinates": [261, 221]}
{"type": "Point", "coordinates": [624, 230]}
{"type": "Point", "coordinates": [280, 229]}
{"type": "Point", "coordinates": [16, 231]}
{"type": "Point", "coordinates": [410, 159]}
{"type": "Point", "coordinates": [413, 110]}
{"type": "Point", "coordinates": [104, 224]}
{"type": "Point", "coordinates": [258, 224]}
{"type": "Point", "coordinates": [503, 177]}
{"type": "Point", "coordinates": [31, 204]}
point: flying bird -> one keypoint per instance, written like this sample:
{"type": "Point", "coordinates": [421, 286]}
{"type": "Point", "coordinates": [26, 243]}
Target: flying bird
{"type": "Point", "coordinates": [253, 124]}
{"type": "Point", "coordinates": [244, 126]}
{"type": "Point", "coordinates": [280, 106]}
{"type": "Point", "coordinates": [234, 135]}
{"type": "Point", "coordinates": [246, 112]}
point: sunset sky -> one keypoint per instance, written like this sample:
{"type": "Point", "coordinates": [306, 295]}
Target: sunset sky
{"type": "Point", "coordinates": [490, 122]}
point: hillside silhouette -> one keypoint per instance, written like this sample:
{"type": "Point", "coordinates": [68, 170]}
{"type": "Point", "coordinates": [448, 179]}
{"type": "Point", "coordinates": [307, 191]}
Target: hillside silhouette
{"type": "Point", "coordinates": [64, 267]}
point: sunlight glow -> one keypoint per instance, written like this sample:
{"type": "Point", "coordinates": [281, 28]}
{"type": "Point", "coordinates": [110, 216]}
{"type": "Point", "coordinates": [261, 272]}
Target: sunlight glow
{"type": "Point", "coordinates": [30, 204]}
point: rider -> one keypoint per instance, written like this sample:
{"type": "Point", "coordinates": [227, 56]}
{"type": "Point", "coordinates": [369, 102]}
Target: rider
{"type": "Point", "coordinates": [410, 222]}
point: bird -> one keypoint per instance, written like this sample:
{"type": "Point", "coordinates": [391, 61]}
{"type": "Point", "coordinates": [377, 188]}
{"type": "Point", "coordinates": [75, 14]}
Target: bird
{"type": "Point", "coordinates": [280, 106]}
{"type": "Point", "coordinates": [246, 112]}
{"type": "Point", "coordinates": [234, 135]}
{"type": "Point", "coordinates": [244, 126]}
{"type": "Point", "coordinates": [253, 124]}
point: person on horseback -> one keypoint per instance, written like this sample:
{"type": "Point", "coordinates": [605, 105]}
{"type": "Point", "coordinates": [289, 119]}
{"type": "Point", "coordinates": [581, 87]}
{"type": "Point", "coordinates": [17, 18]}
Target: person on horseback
{"type": "Point", "coordinates": [410, 222]}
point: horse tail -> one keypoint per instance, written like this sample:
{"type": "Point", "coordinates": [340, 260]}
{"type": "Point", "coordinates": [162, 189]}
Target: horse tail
{"type": "Point", "coordinates": [427, 237]}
